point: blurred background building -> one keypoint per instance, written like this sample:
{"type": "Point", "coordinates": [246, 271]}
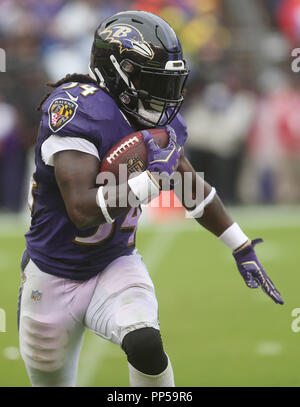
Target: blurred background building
{"type": "Point", "coordinates": [242, 97]}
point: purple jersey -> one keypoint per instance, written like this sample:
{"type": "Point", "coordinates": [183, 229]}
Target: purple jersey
{"type": "Point", "coordinates": [53, 242]}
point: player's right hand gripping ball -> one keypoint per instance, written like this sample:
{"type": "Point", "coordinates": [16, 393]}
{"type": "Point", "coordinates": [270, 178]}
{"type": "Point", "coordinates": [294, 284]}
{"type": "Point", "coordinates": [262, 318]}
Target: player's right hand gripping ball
{"type": "Point", "coordinates": [162, 160]}
{"type": "Point", "coordinates": [253, 272]}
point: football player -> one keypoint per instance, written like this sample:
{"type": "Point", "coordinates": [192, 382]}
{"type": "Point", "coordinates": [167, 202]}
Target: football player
{"type": "Point", "coordinates": [80, 268]}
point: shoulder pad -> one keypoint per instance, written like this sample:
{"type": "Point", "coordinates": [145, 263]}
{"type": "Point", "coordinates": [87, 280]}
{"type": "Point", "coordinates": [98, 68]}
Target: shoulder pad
{"type": "Point", "coordinates": [85, 100]}
{"type": "Point", "coordinates": [179, 125]}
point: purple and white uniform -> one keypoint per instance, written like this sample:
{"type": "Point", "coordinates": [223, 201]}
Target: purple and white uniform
{"type": "Point", "coordinates": [89, 121]}
{"type": "Point", "coordinates": [76, 279]}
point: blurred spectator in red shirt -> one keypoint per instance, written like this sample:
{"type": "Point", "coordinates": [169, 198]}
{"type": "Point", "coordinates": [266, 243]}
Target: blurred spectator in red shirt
{"type": "Point", "coordinates": [274, 142]}
{"type": "Point", "coordinates": [153, 6]}
{"type": "Point", "coordinates": [288, 15]}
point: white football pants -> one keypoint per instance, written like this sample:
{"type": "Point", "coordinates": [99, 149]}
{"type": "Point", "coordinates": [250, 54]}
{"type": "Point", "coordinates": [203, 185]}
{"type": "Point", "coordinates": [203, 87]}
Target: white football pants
{"type": "Point", "coordinates": [54, 313]}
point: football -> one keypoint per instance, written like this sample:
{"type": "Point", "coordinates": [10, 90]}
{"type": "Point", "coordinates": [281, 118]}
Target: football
{"type": "Point", "coordinates": [132, 151]}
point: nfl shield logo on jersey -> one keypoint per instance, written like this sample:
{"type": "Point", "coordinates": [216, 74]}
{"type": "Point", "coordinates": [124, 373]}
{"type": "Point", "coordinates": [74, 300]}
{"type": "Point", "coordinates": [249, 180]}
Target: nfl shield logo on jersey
{"type": "Point", "coordinates": [36, 295]}
{"type": "Point", "coordinates": [61, 112]}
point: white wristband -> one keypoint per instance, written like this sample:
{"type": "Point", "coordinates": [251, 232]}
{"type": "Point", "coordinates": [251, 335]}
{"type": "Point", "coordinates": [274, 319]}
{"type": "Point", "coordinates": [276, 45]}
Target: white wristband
{"type": "Point", "coordinates": [198, 211]}
{"type": "Point", "coordinates": [233, 237]}
{"type": "Point", "coordinates": [144, 187]}
{"type": "Point", "coordinates": [102, 205]}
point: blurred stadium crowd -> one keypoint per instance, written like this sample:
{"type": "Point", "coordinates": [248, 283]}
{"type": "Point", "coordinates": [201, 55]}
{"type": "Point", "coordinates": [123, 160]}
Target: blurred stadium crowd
{"type": "Point", "coordinates": [242, 103]}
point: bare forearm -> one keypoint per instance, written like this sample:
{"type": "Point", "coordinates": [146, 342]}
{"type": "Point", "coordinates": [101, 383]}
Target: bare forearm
{"type": "Point", "coordinates": [88, 205]}
{"type": "Point", "coordinates": [86, 213]}
{"type": "Point", "coordinates": [215, 217]}
{"type": "Point", "coordinates": [76, 177]}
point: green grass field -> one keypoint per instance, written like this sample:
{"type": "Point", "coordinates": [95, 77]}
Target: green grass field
{"type": "Point", "coordinates": [216, 331]}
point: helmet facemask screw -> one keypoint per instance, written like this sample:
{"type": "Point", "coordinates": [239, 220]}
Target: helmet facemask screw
{"type": "Point", "coordinates": [125, 98]}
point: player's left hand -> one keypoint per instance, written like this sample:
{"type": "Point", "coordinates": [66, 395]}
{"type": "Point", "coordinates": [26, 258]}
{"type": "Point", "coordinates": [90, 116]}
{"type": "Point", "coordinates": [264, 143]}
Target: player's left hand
{"type": "Point", "coordinates": [253, 272]}
{"type": "Point", "coordinates": [162, 160]}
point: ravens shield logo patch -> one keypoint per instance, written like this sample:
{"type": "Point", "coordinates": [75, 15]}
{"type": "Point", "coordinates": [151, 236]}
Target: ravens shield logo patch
{"type": "Point", "coordinates": [61, 112]}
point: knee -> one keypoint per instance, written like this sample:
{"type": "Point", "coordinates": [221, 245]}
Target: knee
{"type": "Point", "coordinates": [42, 344]}
{"type": "Point", "coordinates": [144, 350]}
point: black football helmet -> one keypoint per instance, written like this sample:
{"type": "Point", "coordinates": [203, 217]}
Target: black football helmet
{"type": "Point", "coordinates": [137, 57]}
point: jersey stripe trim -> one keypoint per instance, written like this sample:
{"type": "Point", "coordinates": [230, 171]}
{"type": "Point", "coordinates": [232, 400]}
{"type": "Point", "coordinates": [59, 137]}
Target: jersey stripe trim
{"type": "Point", "coordinates": [54, 144]}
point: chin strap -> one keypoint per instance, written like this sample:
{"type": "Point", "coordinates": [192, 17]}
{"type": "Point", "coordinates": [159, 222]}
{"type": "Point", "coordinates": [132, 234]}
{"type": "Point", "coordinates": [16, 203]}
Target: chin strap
{"type": "Point", "coordinates": [150, 117]}
{"type": "Point", "coordinates": [146, 114]}
{"type": "Point", "coordinates": [121, 73]}
{"type": "Point", "coordinates": [97, 76]}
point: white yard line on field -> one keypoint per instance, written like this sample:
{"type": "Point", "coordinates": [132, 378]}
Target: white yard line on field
{"type": "Point", "coordinates": [269, 348]}
{"type": "Point", "coordinates": [11, 353]}
{"type": "Point", "coordinates": [250, 217]}
{"type": "Point", "coordinates": [258, 217]}
{"type": "Point", "coordinates": [96, 349]}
